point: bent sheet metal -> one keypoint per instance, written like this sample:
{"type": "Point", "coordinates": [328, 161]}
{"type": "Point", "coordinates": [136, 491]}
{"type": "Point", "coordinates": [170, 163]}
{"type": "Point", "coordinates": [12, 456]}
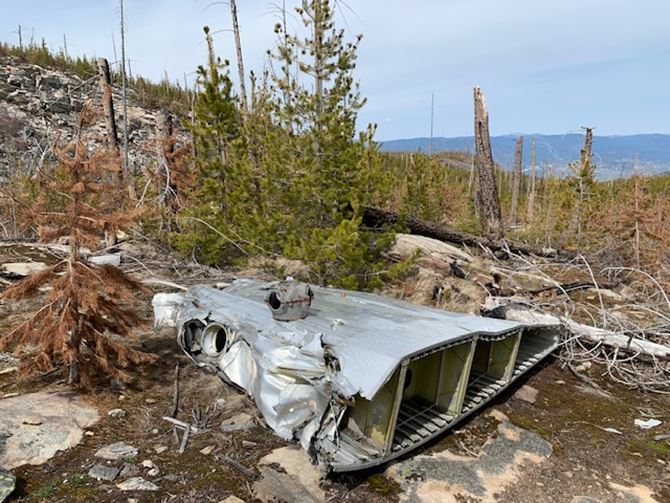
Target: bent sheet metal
{"type": "Point", "coordinates": [362, 378]}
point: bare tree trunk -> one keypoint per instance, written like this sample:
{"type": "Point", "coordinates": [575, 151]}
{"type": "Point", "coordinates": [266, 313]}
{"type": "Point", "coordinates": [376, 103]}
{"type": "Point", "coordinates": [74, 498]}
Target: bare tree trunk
{"type": "Point", "coordinates": [588, 144]}
{"type": "Point", "coordinates": [108, 103]}
{"type": "Point", "coordinates": [487, 192]}
{"type": "Point", "coordinates": [163, 133]}
{"type": "Point", "coordinates": [317, 47]}
{"type": "Point", "coordinates": [530, 205]}
{"type": "Point", "coordinates": [110, 124]}
{"type": "Point", "coordinates": [548, 184]}
{"type": "Point", "coordinates": [128, 178]}
{"type": "Point", "coordinates": [583, 178]}
{"type": "Point", "coordinates": [164, 153]}
{"type": "Point", "coordinates": [516, 180]}
{"type": "Point", "coordinates": [432, 116]}
{"type": "Point", "coordinates": [238, 48]}
{"type": "Point", "coordinates": [165, 169]}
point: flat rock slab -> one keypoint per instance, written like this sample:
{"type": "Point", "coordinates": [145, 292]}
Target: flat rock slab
{"type": "Point", "coordinates": [17, 270]}
{"type": "Point", "coordinates": [240, 422]}
{"type": "Point", "coordinates": [137, 484]}
{"type": "Point", "coordinates": [35, 426]}
{"type": "Point", "coordinates": [638, 493]}
{"type": "Point", "coordinates": [7, 484]}
{"type": "Point", "coordinates": [103, 472]}
{"type": "Point", "coordinates": [298, 479]}
{"type": "Point", "coordinates": [232, 499]}
{"type": "Point", "coordinates": [446, 476]}
{"type": "Point", "coordinates": [526, 393]}
{"type": "Point", "coordinates": [119, 450]}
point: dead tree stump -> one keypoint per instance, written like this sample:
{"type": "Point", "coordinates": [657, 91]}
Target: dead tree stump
{"type": "Point", "coordinates": [486, 197]}
{"type": "Point", "coordinates": [108, 103]}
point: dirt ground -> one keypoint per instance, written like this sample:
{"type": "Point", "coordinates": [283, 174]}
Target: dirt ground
{"type": "Point", "coordinates": [586, 463]}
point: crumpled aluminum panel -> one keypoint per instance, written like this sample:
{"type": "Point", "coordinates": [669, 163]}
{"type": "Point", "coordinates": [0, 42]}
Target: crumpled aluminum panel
{"type": "Point", "coordinates": [300, 373]}
{"type": "Point", "coordinates": [368, 334]}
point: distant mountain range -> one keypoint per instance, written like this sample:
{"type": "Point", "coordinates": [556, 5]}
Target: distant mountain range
{"type": "Point", "coordinates": [614, 155]}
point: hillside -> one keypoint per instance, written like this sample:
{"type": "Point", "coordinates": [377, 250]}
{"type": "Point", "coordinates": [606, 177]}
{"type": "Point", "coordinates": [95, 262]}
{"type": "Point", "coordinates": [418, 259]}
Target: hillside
{"type": "Point", "coordinates": [39, 106]}
{"type": "Point", "coordinates": [614, 155]}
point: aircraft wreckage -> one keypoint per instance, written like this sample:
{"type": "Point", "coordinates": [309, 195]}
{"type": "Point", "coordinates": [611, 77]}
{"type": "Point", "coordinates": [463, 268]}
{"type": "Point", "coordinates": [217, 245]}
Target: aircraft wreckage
{"type": "Point", "coordinates": [357, 378]}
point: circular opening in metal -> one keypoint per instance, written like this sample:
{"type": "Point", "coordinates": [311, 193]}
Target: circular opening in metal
{"type": "Point", "coordinates": [214, 339]}
{"type": "Point", "coordinates": [190, 341]}
{"type": "Point", "coordinates": [273, 301]}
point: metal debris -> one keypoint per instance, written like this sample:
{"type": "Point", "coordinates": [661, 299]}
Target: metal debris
{"type": "Point", "coordinates": [361, 379]}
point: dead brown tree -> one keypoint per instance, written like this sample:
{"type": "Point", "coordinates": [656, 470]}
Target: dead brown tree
{"type": "Point", "coordinates": [85, 303]}
{"type": "Point", "coordinates": [486, 196]}
{"type": "Point", "coordinates": [516, 180]}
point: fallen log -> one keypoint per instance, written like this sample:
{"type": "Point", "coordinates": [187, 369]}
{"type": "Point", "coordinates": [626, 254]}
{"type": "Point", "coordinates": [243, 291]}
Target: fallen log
{"type": "Point", "coordinates": [573, 286]}
{"type": "Point", "coordinates": [507, 309]}
{"type": "Point", "coordinates": [376, 217]}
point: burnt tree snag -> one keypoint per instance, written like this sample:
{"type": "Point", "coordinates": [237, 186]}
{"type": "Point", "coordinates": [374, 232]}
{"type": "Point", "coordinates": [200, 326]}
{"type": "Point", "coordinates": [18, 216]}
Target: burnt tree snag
{"type": "Point", "coordinates": [586, 151]}
{"type": "Point", "coordinates": [516, 180]}
{"type": "Point", "coordinates": [165, 154]}
{"type": "Point", "coordinates": [486, 197]}
{"type": "Point", "coordinates": [530, 203]}
{"type": "Point", "coordinates": [584, 172]}
{"type": "Point", "coordinates": [163, 133]}
{"type": "Point", "coordinates": [108, 103]}
{"type": "Point", "coordinates": [238, 49]}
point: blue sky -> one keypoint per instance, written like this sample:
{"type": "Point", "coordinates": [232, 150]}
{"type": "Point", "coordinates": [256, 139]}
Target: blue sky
{"type": "Point", "coordinates": [546, 66]}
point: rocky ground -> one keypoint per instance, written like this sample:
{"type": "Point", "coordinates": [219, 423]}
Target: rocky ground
{"type": "Point", "coordinates": [39, 107]}
{"type": "Point", "coordinates": [552, 437]}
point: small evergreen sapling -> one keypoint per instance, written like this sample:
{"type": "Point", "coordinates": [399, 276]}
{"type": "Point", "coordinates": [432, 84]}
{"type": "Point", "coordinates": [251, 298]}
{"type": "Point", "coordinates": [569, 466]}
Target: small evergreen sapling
{"type": "Point", "coordinates": [86, 303]}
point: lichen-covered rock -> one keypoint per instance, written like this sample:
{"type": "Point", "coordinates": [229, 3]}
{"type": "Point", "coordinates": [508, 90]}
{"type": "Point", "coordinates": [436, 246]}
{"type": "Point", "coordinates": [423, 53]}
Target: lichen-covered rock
{"type": "Point", "coordinates": [103, 472]}
{"type": "Point", "coordinates": [62, 418]}
{"type": "Point", "coordinates": [7, 484]}
{"type": "Point", "coordinates": [137, 484]}
{"type": "Point", "coordinates": [119, 450]}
